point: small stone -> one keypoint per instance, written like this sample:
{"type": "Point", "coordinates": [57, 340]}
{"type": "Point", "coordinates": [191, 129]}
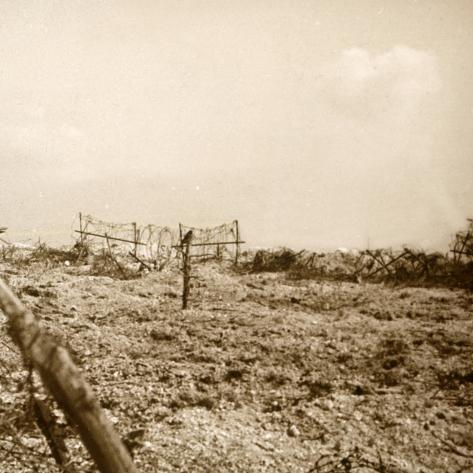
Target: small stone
{"type": "Point", "coordinates": [31, 291]}
{"type": "Point", "coordinates": [147, 445]}
{"type": "Point", "coordinates": [327, 405]}
{"type": "Point", "coordinates": [293, 431]}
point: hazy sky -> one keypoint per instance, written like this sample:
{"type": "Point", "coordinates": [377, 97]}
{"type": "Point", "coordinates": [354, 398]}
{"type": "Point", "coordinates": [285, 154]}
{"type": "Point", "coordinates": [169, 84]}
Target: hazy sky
{"type": "Point", "coordinates": [316, 123]}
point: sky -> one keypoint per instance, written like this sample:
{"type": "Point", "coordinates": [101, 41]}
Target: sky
{"type": "Point", "coordinates": [317, 124]}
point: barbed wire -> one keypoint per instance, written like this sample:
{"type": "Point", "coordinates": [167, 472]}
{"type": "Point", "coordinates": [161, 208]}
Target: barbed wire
{"type": "Point", "coordinates": [216, 236]}
{"type": "Point", "coordinates": [147, 241]}
{"type": "Point", "coordinates": [154, 242]}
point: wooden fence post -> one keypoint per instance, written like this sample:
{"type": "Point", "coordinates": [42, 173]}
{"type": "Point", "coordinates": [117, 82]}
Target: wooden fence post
{"type": "Point", "coordinates": [179, 253]}
{"type": "Point", "coordinates": [135, 238]}
{"type": "Point", "coordinates": [237, 234]}
{"type": "Point", "coordinates": [67, 385]}
{"type": "Point", "coordinates": [186, 267]}
{"type": "Point", "coordinates": [81, 230]}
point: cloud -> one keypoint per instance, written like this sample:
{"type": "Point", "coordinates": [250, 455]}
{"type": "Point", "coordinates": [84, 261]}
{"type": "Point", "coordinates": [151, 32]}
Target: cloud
{"type": "Point", "coordinates": [378, 134]}
{"type": "Point", "coordinates": [382, 107]}
{"type": "Point", "coordinates": [361, 84]}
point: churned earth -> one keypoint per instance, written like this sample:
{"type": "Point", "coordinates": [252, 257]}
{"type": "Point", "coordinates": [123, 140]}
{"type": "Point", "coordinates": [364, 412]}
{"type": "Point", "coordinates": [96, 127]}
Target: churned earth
{"type": "Point", "coordinates": [263, 373]}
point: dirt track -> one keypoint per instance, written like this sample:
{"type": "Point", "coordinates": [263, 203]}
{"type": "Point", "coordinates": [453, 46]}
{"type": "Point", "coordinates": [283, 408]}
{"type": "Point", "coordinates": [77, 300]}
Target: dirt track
{"type": "Point", "coordinates": [262, 374]}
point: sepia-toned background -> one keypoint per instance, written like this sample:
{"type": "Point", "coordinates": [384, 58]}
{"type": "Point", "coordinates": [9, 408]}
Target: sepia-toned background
{"type": "Point", "coordinates": [317, 124]}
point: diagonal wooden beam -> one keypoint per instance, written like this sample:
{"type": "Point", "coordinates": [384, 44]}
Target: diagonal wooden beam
{"type": "Point", "coordinates": [67, 385]}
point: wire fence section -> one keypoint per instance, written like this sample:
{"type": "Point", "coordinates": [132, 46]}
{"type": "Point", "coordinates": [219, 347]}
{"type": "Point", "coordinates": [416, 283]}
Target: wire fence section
{"type": "Point", "coordinates": [150, 241]}
{"type": "Point", "coordinates": [221, 242]}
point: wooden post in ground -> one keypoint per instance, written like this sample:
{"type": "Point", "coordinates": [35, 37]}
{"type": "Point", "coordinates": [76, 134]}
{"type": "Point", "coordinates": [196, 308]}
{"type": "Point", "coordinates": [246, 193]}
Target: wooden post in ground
{"type": "Point", "coordinates": [237, 236]}
{"type": "Point", "coordinates": [186, 267]}
{"type": "Point", "coordinates": [82, 245]}
{"type": "Point", "coordinates": [81, 230]}
{"type": "Point", "coordinates": [179, 253]}
{"type": "Point", "coordinates": [135, 238]}
{"type": "Point", "coordinates": [115, 261]}
{"type": "Point", "coordinates": [67, 385]}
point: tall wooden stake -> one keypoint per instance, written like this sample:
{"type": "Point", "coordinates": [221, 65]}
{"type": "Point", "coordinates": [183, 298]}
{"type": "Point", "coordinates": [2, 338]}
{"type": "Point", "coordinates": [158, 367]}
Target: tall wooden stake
{"type": "Point", "coordinates": [135, 238]}
{"type": "Point", "coordinates": [186, 270]}
{"type": "Point", "coordinates": [117, 264]}
{"type": "Point", "coordinates": [180, 241]}
{"type": "Point", "coordinates": [237, 234]}
{"type": "Point", "coordinates": [81, 230]}
{"type": "Point", "coordinates": [82, 247]}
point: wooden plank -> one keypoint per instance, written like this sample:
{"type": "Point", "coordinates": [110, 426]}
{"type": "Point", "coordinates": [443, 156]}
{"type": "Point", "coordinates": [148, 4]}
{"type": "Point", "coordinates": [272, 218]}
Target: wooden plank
{"type": "Point", "coordinates": [139, 261]}
{"type": "Point", "coordinates": [379, 259]}
{"type": "Point", "coordinates": [213, 244]}
{"type": "Point", "coordinates": [382, 267]}
{"type": "Point", "coordinates": [111, 238]}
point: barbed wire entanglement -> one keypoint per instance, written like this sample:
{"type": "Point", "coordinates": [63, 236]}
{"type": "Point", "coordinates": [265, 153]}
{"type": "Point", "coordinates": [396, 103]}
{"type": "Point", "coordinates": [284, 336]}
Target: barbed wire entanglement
{"type": "Point", "coordinates": [148, 242]}
{"type": "Point", "coordinates": [406, 265]}
{"type": "Point", "coordinates": [221, 242]}
{"type": "Point", "coordinates": [123, 236]}
{"type": "Point", "coordinates": [462, 245]}
{"type": "Point", "coordinates": [158, 243]}
{"type": "Point", "coordinates": [352, 461]}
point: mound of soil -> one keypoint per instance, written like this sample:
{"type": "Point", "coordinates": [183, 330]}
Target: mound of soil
{"type": "Point", "coordinates": [264, 373]}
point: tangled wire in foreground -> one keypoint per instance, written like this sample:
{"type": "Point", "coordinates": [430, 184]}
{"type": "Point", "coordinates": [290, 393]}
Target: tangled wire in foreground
{"type": "Point", "coordinates": [353, 461]}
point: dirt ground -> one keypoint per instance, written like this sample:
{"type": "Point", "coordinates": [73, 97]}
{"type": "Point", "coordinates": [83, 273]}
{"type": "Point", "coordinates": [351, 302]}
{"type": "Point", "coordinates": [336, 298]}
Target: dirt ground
{"type": "Point", "coordinates": [264, 373]}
